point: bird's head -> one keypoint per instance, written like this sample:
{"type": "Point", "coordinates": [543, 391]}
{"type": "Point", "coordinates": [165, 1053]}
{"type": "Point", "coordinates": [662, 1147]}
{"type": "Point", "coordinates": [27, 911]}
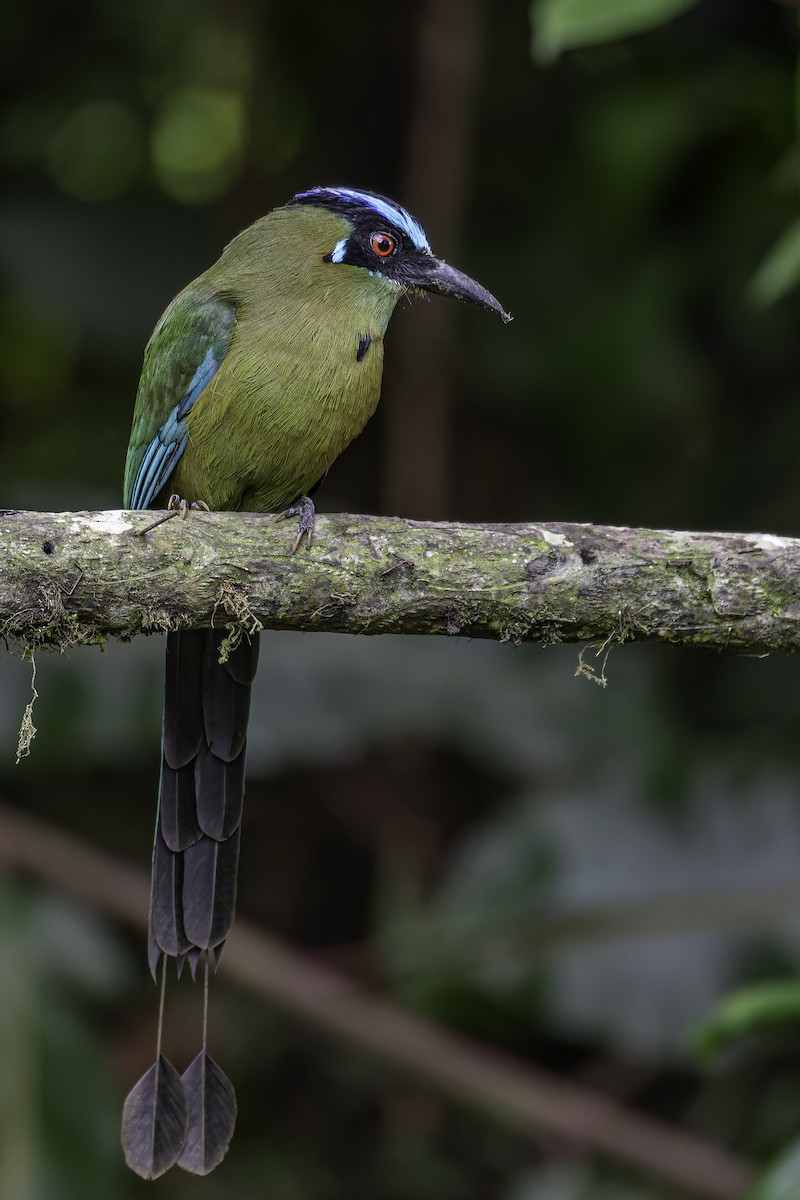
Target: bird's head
{"type": "Point", "coordinates": [385, 240]}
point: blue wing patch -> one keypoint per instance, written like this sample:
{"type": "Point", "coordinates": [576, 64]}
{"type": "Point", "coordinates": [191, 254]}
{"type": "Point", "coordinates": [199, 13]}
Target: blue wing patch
{"type": "Point", "coordinates": [162, 455]}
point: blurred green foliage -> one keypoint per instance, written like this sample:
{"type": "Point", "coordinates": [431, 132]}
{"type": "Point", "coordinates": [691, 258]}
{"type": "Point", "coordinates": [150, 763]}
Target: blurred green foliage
{"type": "Point", "coordinates": [780, 270]}
{"type": "Point", "coordinates": [470, 827]}
{"type": "Point", "coordinates": [780, 1181]}
{"type": "Point", "coordinates": [745, 1012]}
{"type": "Point", "coordinates": [59, 1130]}
{"type": "Point", "coordinates": [560, 25]}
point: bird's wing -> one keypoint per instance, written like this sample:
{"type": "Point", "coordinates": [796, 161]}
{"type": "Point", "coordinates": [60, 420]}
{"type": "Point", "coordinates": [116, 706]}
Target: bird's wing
{"type": "Point", "coordinates": [182, 357]}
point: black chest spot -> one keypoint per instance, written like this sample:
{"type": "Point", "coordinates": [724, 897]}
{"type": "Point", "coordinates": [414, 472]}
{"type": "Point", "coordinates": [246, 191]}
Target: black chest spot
{"type": "Point", "coordinates": [364, 343]}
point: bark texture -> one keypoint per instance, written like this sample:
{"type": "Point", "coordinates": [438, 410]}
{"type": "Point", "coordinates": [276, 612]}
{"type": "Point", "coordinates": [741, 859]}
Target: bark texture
{"type": "Point", "coordinates": [72, 578]}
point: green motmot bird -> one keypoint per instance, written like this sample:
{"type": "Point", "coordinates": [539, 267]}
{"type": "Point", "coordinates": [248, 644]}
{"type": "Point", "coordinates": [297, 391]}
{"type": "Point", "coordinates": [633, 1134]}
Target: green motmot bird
{"type": "Point", "coordinates": [256, 377]}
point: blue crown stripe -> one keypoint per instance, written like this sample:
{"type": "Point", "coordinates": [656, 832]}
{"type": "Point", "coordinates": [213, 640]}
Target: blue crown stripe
{"type": "Point", "coordinates": [390, 211]}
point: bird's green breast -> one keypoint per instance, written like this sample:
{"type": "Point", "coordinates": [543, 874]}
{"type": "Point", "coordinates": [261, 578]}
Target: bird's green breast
{"type": "Point", "coordinates": [297, 384]}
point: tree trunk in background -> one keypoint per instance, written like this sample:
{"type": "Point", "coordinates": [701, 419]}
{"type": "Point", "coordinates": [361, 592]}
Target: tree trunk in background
{"type": "Point", "coordinates": [418, 396]}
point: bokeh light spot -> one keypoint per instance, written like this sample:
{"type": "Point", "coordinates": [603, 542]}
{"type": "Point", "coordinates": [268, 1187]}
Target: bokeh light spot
{"type": "Point", "coordinates": [197, 143]}
{"type": "Point", "coordinates": [96, 152]}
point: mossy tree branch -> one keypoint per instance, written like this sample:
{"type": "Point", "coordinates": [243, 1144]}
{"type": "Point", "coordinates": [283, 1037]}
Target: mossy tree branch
{"type": "Point", "coordinates": [72, 578]}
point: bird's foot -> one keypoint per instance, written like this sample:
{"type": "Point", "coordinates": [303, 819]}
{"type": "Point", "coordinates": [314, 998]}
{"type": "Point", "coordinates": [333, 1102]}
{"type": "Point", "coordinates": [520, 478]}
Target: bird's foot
{"type": "Point", "coordinates": [175, 506]}
{"type": "Point", "coordinates": [304, 510]}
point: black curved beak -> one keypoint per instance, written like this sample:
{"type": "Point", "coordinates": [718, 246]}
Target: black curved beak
{"type": "Point", "coordinates": [447, 281]}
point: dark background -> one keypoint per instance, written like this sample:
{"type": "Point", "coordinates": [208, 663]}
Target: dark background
{"type": "Point", "coordinates": [573, 875]}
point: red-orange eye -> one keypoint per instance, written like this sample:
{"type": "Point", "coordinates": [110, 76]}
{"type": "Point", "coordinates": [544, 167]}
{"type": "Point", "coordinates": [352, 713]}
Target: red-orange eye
{"type": "Point", "coordinates": [383, 244]}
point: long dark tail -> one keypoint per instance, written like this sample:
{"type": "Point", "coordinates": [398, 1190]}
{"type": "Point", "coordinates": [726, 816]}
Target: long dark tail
{"type": "Point", "coordinates": [196, 850]}
{"type": "Point", "coordinates": [189, 1119]}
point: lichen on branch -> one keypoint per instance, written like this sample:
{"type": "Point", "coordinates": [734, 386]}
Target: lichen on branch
{"type": "Point", "coordinates": [76, 578]}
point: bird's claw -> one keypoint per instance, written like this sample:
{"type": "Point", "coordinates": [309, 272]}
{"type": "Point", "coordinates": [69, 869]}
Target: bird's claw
{"type": "Point", "coordinates": [304, 510]}
{"type": "Point", "coordinates": [175, 505]}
